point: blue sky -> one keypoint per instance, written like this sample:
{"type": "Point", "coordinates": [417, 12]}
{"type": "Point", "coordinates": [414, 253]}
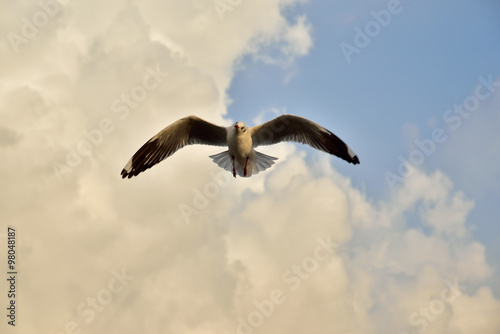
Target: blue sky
{"type": "Point", "coordinates": [426, 59]}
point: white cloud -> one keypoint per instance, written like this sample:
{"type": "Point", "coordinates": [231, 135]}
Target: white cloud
{"type": "Point", "coordinates": [298, 38]}
{"type": "Point", "coordinates": [483, 319]}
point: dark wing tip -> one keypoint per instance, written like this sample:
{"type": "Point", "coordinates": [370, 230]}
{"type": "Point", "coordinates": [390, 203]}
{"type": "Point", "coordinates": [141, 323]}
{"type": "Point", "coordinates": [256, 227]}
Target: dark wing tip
{"type": "Point", "coordinates": [134, 171]}
{"type": "Point", "coordinates": [146, 157]}
{"type": "Point", "coordinates": [124, 174]}
{"type": "Point", "coordinates": [128, 175]}
{"type": "Point", "coordinates": [334, 145]}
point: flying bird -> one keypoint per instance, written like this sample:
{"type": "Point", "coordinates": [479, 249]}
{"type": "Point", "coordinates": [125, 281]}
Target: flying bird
{"type": "Point", "coordinates": [240, 158]}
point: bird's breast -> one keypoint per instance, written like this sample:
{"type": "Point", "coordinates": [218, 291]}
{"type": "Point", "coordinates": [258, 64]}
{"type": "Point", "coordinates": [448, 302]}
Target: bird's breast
{"type": "Point", "coordinates": [240, 145]}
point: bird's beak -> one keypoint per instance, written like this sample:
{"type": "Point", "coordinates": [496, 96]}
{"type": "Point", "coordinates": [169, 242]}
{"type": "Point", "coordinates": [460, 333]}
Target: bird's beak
{"type": "Point", "coordinates": [236, 126]}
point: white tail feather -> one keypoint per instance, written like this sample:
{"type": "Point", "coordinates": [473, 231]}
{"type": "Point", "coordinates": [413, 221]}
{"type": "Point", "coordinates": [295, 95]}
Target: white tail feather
{"type": "Point", "coordinates": [223, 160]}
{"type": "Point", "coordinates": [262, 162]}
{"type": "Point", "coordinates": [259, 163]}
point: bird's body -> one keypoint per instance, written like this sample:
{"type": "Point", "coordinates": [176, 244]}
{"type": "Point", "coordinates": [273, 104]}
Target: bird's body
{"type": "Point", "coordinates": [239, 141]}
{"type": "Point", "coordinates": [241, 158]}
{"type": "Point", "coordinates": [241, 152]}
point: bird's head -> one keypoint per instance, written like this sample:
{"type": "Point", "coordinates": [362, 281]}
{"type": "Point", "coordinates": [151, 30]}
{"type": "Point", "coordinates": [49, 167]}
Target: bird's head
{"type": "Point", "coordinates": [240, 127]}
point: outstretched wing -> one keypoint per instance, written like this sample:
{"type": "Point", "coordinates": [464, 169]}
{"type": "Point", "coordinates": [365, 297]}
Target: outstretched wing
{"type": "Point", "coordinates": [301, 130]}
{"type": "Point", "coordinates": [186, 131]}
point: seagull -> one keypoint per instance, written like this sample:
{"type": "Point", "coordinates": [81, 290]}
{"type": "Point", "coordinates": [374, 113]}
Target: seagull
{"type": "Point", "coordinates": [240, 158]}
